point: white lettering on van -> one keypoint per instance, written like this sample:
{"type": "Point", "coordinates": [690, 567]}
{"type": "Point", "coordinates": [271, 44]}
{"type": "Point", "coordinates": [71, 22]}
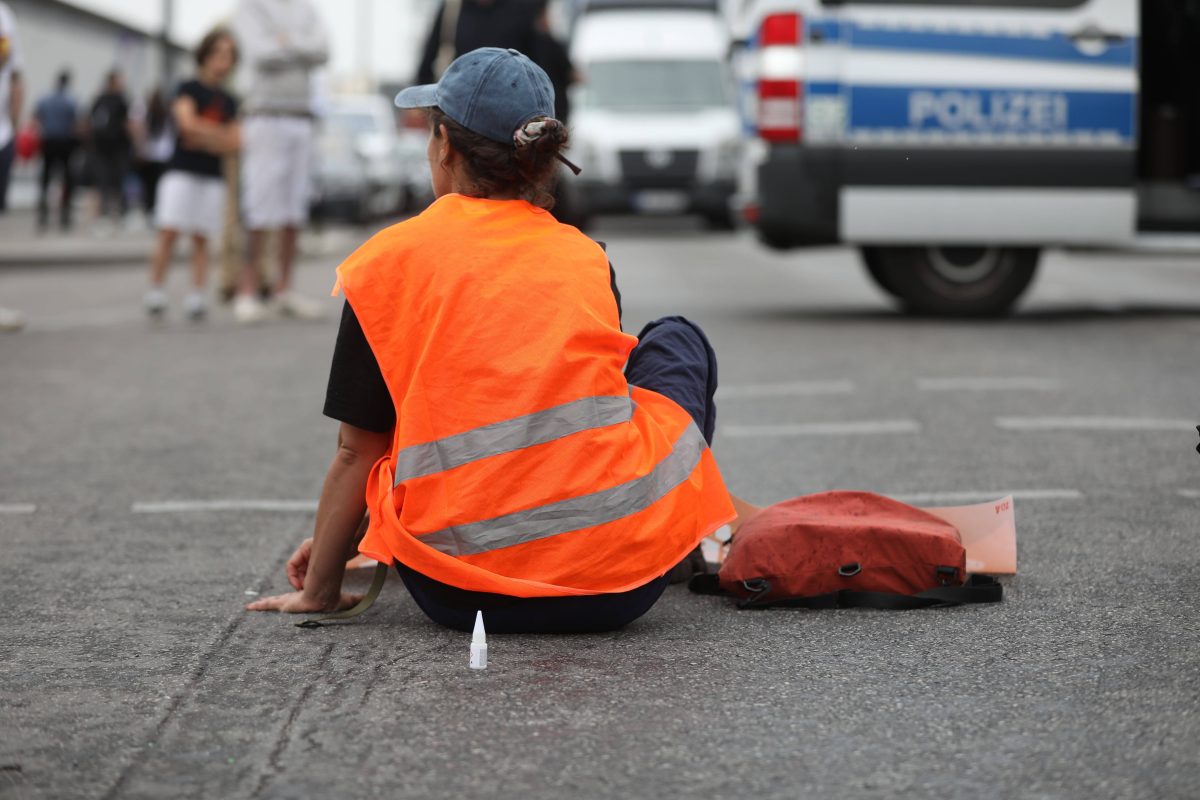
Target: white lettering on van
{"type": "Point", "coordinates": [992, 112]}
{"type": "Point", "coordinates": [921, 106]}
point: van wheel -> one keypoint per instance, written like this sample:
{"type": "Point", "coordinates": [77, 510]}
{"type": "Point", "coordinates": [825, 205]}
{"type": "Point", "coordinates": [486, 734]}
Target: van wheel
{"type": "Point", "coordinates": [960, 281]}
{"type": "Point", "coordinates": [872, 259]}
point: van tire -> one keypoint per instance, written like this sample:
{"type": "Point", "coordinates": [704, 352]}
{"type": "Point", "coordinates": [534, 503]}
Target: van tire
{"type": "Point", "coordinates": [873, 262]}
{"type": "Point", "coordinates": [960, 281]}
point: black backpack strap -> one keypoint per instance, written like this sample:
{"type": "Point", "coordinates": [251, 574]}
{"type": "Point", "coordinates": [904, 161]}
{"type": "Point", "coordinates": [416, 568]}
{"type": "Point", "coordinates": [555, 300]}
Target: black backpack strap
{"type": "Point", "coordinates": [977, 589]}
{"type": "Point", "coordinates": [705, 583]}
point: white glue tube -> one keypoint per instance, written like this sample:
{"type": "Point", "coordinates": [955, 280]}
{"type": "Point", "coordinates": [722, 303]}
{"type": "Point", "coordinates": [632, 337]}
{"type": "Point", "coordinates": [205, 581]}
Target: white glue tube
{"type": "Point", "coordinates": [478, 644]}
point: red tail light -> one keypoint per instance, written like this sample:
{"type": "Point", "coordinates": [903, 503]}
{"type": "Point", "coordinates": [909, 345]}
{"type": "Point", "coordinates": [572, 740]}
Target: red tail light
{"type": "Point", "coordinates": [781, 29]}
{"type": "Point", "coordinates": [780, 84]}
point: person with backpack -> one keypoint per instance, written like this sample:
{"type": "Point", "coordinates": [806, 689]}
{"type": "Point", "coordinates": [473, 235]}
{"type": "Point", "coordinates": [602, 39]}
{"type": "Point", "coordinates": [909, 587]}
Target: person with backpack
{"type": "Point", "coordinates": [191, 197]}
{"type": "Point", "coordinates": [518, 453]}
{"type": "Point", "coordinates": [109, 131]}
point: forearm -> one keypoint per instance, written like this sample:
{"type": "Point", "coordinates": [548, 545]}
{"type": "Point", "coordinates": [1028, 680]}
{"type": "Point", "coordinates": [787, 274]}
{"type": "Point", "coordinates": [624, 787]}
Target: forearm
{"type": "Point", "coordinates": [310, 45]}
{"type": "Point", "coordinates": [213, 137]}
{"type": "Point", "coordinates": [261, 45]}
{"type": "Point", "coordinates": [339, 516]}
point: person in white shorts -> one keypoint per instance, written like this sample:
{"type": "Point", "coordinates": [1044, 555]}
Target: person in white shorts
{"type": "Point", "coordinates": [12, 95]}
{"type": "Point", "coordinates": [191, 194]}
{"type": "Point", "coordinates": [284, 41]}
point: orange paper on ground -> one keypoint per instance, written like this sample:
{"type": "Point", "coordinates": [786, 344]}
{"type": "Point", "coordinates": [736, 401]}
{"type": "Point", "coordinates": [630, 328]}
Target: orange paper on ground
{"type": "Point", "coordinates": [989, 533]}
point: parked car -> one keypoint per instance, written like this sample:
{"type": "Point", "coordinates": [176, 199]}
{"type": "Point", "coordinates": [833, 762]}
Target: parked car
{"type": "Point", "coordinates": [654, 126]}
{"type": "Point", "coordinates": [413, 143]}
{"type": "Point", "coordinates": [362, 171]}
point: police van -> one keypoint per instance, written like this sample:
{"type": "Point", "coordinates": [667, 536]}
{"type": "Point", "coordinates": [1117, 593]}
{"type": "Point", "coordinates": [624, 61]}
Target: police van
{"type": "Point", "coordinates": [953, 140]}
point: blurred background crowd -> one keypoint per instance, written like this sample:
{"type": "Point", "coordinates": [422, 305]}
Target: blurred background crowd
{"type": "Point", "coordinates": [949, 141]}
{"type": "Point", "coordinates": [115, 113]}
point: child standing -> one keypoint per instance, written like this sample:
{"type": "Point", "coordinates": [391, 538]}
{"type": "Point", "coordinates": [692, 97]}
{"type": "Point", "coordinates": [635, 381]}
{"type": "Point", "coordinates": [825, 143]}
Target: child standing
{"type": "Point", "coordinates": [191, 195]}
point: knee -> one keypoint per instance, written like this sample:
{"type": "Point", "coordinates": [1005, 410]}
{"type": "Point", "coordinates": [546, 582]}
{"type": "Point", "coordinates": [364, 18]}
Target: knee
{"type": "Point", "coordinates": [676, 333]}
{"type": "Point", "coordinates": [671, 326]}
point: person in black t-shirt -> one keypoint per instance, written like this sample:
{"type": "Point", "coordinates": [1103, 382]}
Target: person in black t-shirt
{"type": "Point", "coordinates": [477, 23]}
{"type": "Point", "coordinates": [553, 57]}
{"type": "Point", "coordinates": [191, 195]}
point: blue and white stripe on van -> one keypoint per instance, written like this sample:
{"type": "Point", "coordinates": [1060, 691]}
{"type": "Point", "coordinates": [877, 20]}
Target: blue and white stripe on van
{"type": "Point", "coordinates": [954, 122]}
{"type": "Point", "coordinates": [893, 86]}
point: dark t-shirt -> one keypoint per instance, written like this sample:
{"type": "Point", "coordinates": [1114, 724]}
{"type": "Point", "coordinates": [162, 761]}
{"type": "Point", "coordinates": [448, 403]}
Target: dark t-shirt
{"type": "Point", "coordinates": [109, 120]}
{"type": "Point", "coordinates": [212, 104]}
{"type": "Point", "coordinates": [357, 393]}
{"type": "Point", "coordinates": [551, 55]}
{"type": "Point", "coordinates": [481, 23]}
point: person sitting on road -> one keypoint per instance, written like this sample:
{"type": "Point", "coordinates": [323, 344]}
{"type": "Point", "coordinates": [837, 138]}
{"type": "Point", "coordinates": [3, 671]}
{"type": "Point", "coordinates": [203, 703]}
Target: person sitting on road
{"type": "Point", "coordinates": [516, 451]}
{"type": "Point", "coordinates": [191, 195]}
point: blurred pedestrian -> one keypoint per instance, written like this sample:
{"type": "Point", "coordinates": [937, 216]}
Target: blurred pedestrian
{"type": "Point", "coordinates": [553, 57]}
{"type": "Point", "coordinates": [282, 41]}
{"type": "Point", "coordinates": [57, 118]}
{"type": "Point", "coordinates": [549, 53]}
{"type": "Point", "coordinates": [12, 98]}
{"type": "Point", "coordinates": [109, 132]}
{"type": "Point", "coordinates": [191, 198]}
{"type": "Point", "coordinates": [523, 25]}
{"type": "Point", "coordinates": [464, 25]}
{"type": "Point", "coordinates": [155, 145]}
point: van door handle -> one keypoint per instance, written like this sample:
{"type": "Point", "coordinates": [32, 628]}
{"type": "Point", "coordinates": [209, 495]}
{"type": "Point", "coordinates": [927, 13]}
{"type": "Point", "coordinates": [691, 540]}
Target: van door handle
{"type": "Point", "coordinates": [1092, 35]}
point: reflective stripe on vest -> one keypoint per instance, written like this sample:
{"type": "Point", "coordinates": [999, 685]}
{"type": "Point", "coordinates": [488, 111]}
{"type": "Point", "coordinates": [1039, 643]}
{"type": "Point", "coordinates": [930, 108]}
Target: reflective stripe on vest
{"type": "Point", "coordinates": [575, 513]}
{"type": "Point", "coordinates": [508, 435]}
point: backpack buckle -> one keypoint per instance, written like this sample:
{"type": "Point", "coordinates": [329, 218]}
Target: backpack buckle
{"type": "Point", "coordinates": [945, 575]}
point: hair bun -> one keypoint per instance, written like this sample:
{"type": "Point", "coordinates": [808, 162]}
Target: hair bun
{"type": "Point", "coordinates": [542, 131]}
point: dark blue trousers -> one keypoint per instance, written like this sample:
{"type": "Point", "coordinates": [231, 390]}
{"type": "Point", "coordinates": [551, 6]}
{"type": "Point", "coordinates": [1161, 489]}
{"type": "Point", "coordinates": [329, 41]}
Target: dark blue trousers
{"type": "Point", "coordinates": [673, 357]}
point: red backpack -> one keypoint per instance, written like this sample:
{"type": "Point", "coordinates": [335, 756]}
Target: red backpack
{"type": "Point", "coordinates": [844, 549]}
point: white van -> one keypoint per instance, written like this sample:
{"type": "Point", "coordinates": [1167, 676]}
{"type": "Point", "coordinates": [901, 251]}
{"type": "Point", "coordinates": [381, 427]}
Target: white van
{"type": "Point", "coordinates": [654, 124]}
{"type": "Point", "coordinates": [952, 140]}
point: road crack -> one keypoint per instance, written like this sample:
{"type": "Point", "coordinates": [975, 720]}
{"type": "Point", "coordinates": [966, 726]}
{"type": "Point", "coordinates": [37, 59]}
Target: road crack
{"type": "Point", "coordinates": [191, 687]}
{"type": "Point", "coordinates": [285, 730]}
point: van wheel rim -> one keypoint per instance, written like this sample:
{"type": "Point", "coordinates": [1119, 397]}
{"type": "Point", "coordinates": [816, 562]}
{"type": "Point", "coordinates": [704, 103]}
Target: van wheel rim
{"type": "Point", "coordinates": [963, 265]}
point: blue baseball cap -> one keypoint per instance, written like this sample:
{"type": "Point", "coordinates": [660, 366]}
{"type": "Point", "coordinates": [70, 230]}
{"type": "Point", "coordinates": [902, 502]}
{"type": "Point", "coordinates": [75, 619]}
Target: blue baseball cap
{"type": "Point", "coordinates": [489, 91]}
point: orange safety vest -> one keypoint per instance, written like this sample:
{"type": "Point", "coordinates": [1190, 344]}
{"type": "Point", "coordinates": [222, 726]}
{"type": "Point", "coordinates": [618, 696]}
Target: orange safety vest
{"type": "Point", "coordinates": [522, 462]}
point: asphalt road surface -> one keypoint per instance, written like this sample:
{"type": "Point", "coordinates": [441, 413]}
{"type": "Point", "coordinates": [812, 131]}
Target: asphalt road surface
{"type": "Point", "coordinates": [154, 477]}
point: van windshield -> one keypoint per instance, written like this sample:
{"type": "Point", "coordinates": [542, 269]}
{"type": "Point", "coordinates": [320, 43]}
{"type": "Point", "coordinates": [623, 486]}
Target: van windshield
{"type": "Point", "coordinates": [654, 85]}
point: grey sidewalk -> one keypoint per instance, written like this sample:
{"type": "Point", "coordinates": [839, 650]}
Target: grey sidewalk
{"type": "Point", "coordinates": [21, 245]}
